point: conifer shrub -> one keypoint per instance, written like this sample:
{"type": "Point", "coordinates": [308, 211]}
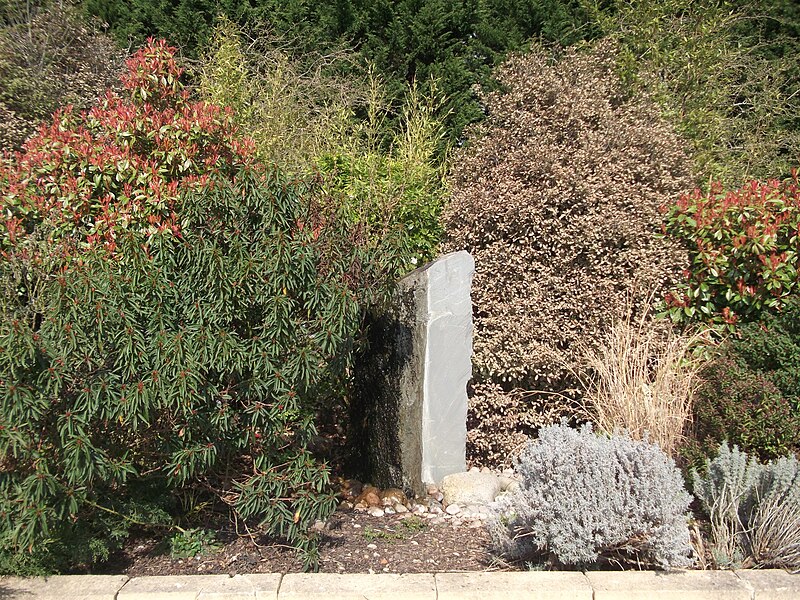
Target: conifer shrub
{"type": "Point", "coordinates": [171, 313]}
{"type": "Point", "coordinates": [557, 197]}
{"type": "Point", "coordinates": [754, 509]}
{"type": "Point", "coordinates": [586, 498]}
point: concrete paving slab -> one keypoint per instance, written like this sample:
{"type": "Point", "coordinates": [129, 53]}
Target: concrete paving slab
{"type": "Point", "coordinates": [530, 585]}
{"type": "Point", "coordinates": [202, 587]}
{"type": "Point", "coordinates": [673, 585]}
{"type": "Point", "coordinates": [62, 587]}
{"type": "Point", "coordinates": [358, 586]}
{"type": "Point", "coordinates": [772, 584]}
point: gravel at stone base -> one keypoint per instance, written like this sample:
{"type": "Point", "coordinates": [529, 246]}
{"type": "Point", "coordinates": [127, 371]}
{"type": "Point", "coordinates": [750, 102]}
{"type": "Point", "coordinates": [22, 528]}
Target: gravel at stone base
{"type": "Point", "coordinates": [352, 542]}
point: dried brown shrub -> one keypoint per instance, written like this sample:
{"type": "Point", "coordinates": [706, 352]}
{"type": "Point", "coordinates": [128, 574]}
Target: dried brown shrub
{"type": "Point", "coordinates": [557, 199]}
{"type": "Point", "coordinates": [49, 57]}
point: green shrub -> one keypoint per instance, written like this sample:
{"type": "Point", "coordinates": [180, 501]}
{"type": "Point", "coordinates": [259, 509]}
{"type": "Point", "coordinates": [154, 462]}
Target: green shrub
{"type": "Point", "coordinates": [743, 248]}
{"type": "Point", "coordinates": [750, 392]}
{"type": "Point", "coordinates": [300, 115]}
{"type": "Point", "coordinates": [170, 318]}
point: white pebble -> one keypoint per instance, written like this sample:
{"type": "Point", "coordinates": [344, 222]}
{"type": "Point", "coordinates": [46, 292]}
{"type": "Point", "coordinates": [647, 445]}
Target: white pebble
{"type": "Point", "coordinates": [453, 509]}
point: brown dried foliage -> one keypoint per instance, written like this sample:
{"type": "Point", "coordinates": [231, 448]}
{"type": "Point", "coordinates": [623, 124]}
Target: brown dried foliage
{"type": "Point", "coordinates": [557, 199]}
{"type": "Point", "coordinates": [49, 57]}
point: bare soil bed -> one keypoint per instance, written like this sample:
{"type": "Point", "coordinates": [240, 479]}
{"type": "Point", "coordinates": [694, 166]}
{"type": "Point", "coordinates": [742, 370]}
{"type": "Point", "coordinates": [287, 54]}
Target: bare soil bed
{"type": "Point", "coordinates": [352, 542]}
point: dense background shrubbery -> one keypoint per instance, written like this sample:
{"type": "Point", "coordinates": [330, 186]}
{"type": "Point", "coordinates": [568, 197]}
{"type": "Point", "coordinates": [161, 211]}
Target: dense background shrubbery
{"type": "Point", "coordinates": [453, 43]}
{"type": "Point", "coordinates": [358, 105]}
{"type": "Point", "coordinates": [557, 199]}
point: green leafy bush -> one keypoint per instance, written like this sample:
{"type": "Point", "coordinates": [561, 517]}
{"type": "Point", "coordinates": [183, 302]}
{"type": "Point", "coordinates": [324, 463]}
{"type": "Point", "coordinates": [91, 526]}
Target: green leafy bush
{"type": "Point", "coordinates": [750, 392]}
{"type": "Point", "coordinates": [170, 316]}
{"type": "Point", "coordinates": [754, 509]}
{"type": "Point", "coordinates": [743, 246]}
{"type": "Point", "coordinates": [301, 115]}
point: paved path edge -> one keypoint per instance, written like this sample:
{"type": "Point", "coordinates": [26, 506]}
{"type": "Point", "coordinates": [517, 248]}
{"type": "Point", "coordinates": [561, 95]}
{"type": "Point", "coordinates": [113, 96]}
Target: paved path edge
{"type": "Point", "coordinates": [532, 585]}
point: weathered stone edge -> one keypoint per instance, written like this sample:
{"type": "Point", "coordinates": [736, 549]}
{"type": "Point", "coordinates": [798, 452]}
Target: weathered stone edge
{"type": "Point", "coordinates": [769, 585]}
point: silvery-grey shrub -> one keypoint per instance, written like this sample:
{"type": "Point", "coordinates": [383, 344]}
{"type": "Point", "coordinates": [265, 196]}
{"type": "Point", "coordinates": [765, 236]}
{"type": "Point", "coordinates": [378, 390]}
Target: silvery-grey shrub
{"type": "Point", "coordinates": [754, 509]}
{"type": "Point", "coordinates": [584, 496]}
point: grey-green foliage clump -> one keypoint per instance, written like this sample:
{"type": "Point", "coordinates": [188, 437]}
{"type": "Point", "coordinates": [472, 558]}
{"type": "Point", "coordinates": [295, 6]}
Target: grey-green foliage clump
{"type": "Point", "coordinates": [586, 498]}
{"type": "Point", "coordinates": [754, 509]}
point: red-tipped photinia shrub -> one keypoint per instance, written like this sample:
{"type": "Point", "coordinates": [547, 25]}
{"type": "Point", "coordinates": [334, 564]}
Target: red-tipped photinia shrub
{"type": "Point", "coordinates": [122, 164]}
{"type": "Point", "coordinates": [743, 246]}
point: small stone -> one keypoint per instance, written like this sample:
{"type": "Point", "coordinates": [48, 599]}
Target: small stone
{"type": "Point", "coordinates": [393, 496]}
{"type": "Point", "coordinates": [436, 510]}
{"type": "Point", "coordinates": [345, 505]}
{"type": "Point", "coordinates": [372, 499]}
{"type": "Point", "coordinates": [356, 526]}
{"type": "Point", "coordinates": [399, 508]}
{"type": "Point", "coordinates": [474, 470]}
{"type": "Point", "coordinates": [375, 512]}
{"type": "Point", "coordinates": [370, 496]}
{"type": "Point", "coordinates": [470, 488]}
{"type": "Point", "coordinates": [453, 509]}
{"type": "Point", "coordinates": [485, 470]}
{"type": "Point", "coordinates": [432, 489]}
{"type": "Point", "coordinates": [372, 546]}
{"type": "Point", "coordinates": [414, 543]}
{"type": "Point", "coordinates": [384, 561]}
{"type": "Point", "coordinates": [318, 526]}
{"type": "Point", "coordinates": [389, 510]}
{"type": "Point", "coordinates": [438, 496]}
{"type": "Point", "coordinates": [420, 508]}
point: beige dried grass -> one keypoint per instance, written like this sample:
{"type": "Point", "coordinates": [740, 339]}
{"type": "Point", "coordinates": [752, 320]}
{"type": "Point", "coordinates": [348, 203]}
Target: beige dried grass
{"type": "Point", "coordinates": [641, 377]}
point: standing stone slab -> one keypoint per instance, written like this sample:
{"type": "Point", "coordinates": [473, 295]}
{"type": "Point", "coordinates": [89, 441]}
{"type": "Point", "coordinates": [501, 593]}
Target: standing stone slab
{"type": "Point", "coordinates": [410, 405]}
